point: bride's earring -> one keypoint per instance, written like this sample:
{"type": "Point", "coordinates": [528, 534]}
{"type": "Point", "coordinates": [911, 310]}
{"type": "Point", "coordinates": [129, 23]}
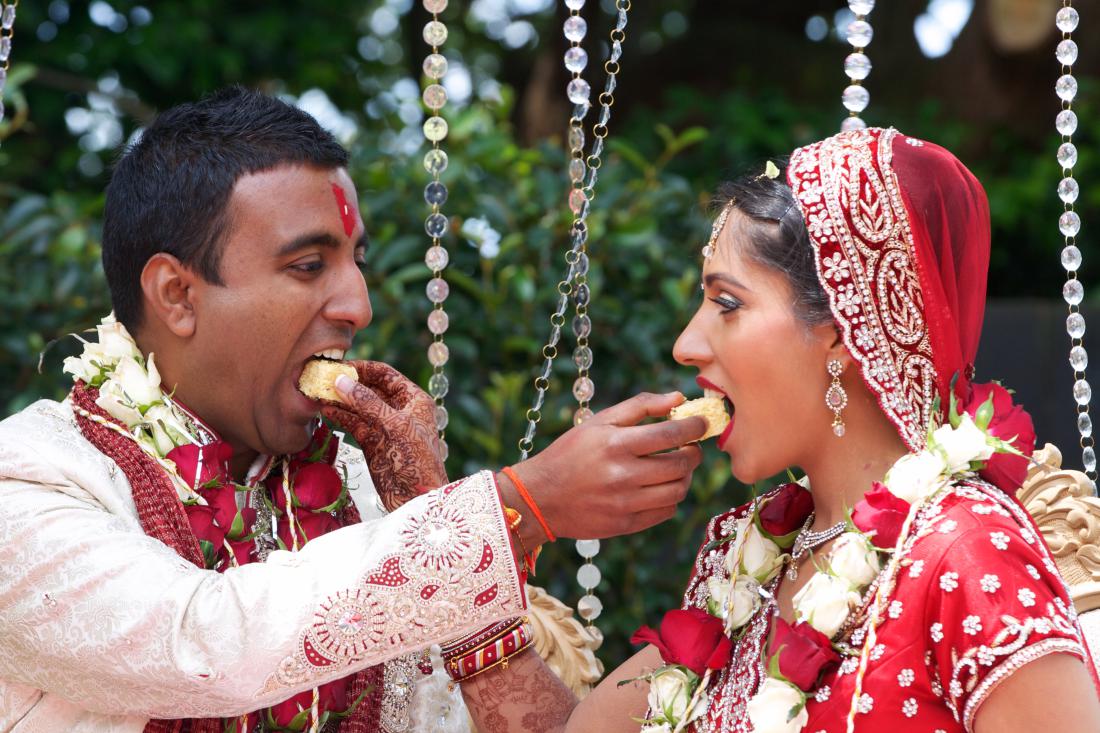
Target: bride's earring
{"type": "Point", "coordinates": [836, 399]}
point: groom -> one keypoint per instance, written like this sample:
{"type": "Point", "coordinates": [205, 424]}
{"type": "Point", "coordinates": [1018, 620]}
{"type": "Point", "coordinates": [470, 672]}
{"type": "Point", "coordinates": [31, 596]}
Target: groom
{"type": "Point", "coordinates": [232, 246]}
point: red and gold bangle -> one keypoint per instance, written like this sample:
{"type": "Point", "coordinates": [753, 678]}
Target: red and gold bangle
{"type": "Point", "coordinates": [465, 644]}
{"type": "Point", "coordinates": [529, 500]}
{"type": "Point", "coordinates": [487, 656]}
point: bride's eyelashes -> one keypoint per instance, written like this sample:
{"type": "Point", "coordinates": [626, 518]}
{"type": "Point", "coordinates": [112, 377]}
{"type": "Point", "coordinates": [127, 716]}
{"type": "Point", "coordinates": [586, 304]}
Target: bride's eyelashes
{"type": "Point", "coordinates": [727, 303]}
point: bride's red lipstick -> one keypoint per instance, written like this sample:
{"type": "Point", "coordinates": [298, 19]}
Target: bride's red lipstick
{"type": "Point", "coordinates": [705, 383]}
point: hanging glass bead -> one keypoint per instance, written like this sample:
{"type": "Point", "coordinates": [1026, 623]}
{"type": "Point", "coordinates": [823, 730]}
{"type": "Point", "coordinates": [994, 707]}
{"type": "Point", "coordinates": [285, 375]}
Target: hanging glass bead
{"type": "Point", "coordinates": [582, 357]}
{"type": "Point", "coordinates": [588, 548]}
{"type": "Point", "coordinates": [1069, 224]}
{"type": "Point", "coordinates": [861, 7]}
{"type": "Point", "coordinates": [1066, 52]}
{"type": "Point", "coordinates": [1082, 392]}
{"type": "Point", "coordinates": [438, 290]}
{"type": "Point", "coordinates": [435, 225]}
{"type": "Point", "coordinates": [576, 137]}
{"type": "Point", "coordinates": [582, 295]}
{"type": "Point", "coordinates": [576, 200]}
{"type": "Point", "coordinates": [435, 6]}
{"type": "Point", "coordinates": [583, 389]}
{"type": "Point", "coordinates": [576, 59]}
{"type": "Point", "coordinates": [860, 33]}
{"type": "Point", "coordinates": [1084, 425]}
{"type": "Point", "coordinates": [435, 66]}
{"type": "Point", "coordinates": [435, 33]}
{"type": "Point", "coordinates": [576, 170]}
{"type": "Point", "coordinates": [7, 20]}
{"type": "Point", "coordinates": [1073, 292]}
{"type": "Point", "coordinates": [589, 607]}
{"type": "Point", "coordinates": [1066, 122]}
{"type": "Point", "coordinates": [1075, 325]}
{"type": "Point", "coordinates": [581, 415]}
{"type": "Point", "coordinates": [436, 258]}
{"type": "Point", "coordinates": [1066, 87]}
{"type": "Point", "coordinates": [444, 451]}
{"type": "Point", "coordinates": [575, 28]}
{"type": "Point", "coordinates": [857, 66]}
{"type": "Point", "coordinates": [579, 91]}
{"type": "Point", "coordinates": [442, 418]}
{"type": "Point", "coordinates": [5, 48]}
{"type": "Point", "coordinates": [856, 98]}
{"type": "Point", "coordinates": [438, 321]}
{"type": "Point", "coordinates": [435, 161]}
{"type": "Point", "coordinates": [1067, 19]}
{"type": "Point", "coordinates": [435, 129]}
{"type": "Point", "coordinates": [574, 4]}
{"type": "Point", "coordinates": [852, 123]}
{"type": "Point", "coordinates": [435, 193]}
{"type": "Point", "coordinates": [1068, 190]}
{"type": "Point", "coordinates": [438, 386]}
{"type": "Point", "coordinates": [1079, 359]}
{"type": "Point", "coordinates": [438, 354]}
{"type": "Point", "coordinates": [1071, 258]}
{"type": "Point", "coordinates": [588, 575]}
{"type": "Point", "coordinates": [435, 96]}
{"type": "Point", "coordinates": [580, 268]}
{"type": "Point", "coordinates": [1088, 458]}
{"type": "Point", "coordinates": [582, 326]}
{"type": "Point", "coordinates": [1067, 155]}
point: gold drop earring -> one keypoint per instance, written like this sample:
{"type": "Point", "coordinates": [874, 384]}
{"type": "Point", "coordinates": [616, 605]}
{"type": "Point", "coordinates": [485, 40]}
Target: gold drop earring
{"type": "Point", "coordinates": [836, 399]}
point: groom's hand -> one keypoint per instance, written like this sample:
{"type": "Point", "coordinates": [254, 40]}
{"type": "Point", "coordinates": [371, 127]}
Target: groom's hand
{"type": "Point", "coordinates": [393, 421]}
{"type": "Point", "coordinates": [612, 476]}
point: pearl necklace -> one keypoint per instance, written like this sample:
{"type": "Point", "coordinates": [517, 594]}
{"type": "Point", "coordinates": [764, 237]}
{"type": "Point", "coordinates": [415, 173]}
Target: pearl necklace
{"type": "Point", "coordinates": [809, 540]}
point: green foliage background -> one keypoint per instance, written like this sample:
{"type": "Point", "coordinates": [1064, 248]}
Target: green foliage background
{"type": "Point", "coordinates": [647, 224]}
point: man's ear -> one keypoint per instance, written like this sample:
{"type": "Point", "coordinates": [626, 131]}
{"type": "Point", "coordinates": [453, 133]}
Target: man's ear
{"type": "Point", "coordinates": [168, 287]}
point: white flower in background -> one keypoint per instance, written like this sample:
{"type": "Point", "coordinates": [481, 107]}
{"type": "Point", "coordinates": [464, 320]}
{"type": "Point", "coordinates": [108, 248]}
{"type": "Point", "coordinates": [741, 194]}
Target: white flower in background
{"type": "Point", "coordinates": [760, 557]}
{"type": "Point", "coordinates": [770, 708]}
{"type": "Point", "coordinates": [670, 693]}
{"type": "Point", "coordinates": [854, 559]}
{"type": "Point", "coordinates": [481, 236]}
{"type": "Point", "coordinates": [963, 444]}
{"type": "Point", "coordinates": [916, 476]}
{"type": "Point", "coordinates": [824, 602]}
{"type": "Point", "coordinates": [142, 386]}
{"type": "Point", "coordinates": [116, 404]}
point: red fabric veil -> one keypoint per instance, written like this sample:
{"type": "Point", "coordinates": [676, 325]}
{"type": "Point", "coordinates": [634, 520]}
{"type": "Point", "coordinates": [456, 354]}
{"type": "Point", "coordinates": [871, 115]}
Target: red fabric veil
{"type": "Point", "coordinates": [900, 229]}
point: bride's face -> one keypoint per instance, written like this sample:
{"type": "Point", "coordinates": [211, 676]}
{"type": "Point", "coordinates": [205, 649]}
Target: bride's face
{"type": "Point", "coordinates": [747, 341]}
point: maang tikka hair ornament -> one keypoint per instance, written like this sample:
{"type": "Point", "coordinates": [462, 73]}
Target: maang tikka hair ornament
{"type": "Point", "coordinates": [836, 399]}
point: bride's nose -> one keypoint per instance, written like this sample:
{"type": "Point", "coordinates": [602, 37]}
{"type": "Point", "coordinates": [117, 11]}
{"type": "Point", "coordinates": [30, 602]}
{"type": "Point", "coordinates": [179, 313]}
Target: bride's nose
{"type": "Point", "coordinates": [691, 348]}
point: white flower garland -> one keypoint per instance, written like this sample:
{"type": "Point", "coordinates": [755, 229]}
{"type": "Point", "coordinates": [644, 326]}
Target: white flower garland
{"type": "Point", "coordinates": [954, 451]}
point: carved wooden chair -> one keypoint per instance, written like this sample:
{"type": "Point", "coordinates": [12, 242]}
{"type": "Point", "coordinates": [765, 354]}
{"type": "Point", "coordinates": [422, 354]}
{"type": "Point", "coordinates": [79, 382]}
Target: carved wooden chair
{"type": "Point", "coordinates": [1067, 510]}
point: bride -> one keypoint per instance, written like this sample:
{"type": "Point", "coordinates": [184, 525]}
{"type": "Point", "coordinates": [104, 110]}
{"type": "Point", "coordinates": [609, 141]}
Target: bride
{"type": "Point", "coordinates": [900, 586]}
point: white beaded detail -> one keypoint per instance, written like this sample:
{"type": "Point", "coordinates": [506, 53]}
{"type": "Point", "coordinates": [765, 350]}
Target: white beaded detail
{"type": "Point", "coordinates": [990, 583]}
{"type": "Point", "coordinates": [857, 66]}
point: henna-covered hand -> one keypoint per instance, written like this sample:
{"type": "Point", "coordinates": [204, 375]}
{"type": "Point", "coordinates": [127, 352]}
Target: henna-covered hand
{"type": "Point", "coordinates": [393, 421]}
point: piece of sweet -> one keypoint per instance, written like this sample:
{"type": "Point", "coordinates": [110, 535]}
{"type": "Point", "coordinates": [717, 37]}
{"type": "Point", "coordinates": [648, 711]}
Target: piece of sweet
{"type": "Point", "coordinates": [318, 378]}
{"type": "Point", "coordinates": [711, 409]}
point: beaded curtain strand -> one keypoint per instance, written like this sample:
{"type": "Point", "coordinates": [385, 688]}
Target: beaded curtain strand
{"type": "Point", "coordinates": [436, 224]}
{"type": "Point", "coordinates": [857, 66]}
{"type": "Point", "coordinates": [1069, 224]}
{"type": "Point", "coordinates": [7, 31]}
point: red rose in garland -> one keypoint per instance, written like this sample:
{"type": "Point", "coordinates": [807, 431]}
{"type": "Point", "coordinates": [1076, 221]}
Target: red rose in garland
{"type": "Point", "coordinates": [316, 485]}
{"type": "Point", "coordinates": [991, 405]}
{"type": "Point", "coordinates": [804, 653]}
{"type": "Point", "coordinates": [786, 510]}
{"type": "Point", "coordinates": [691, 638]}
{"type": "Point", "coordinates": [880, 512]}
{"type": "Point", "coordinates": [199, 465]}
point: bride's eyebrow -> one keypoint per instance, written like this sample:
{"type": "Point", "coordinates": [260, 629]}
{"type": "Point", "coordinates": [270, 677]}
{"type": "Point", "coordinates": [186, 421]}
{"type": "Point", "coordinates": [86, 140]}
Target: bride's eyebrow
{"type": "Point", "coordinates": [711, 277]}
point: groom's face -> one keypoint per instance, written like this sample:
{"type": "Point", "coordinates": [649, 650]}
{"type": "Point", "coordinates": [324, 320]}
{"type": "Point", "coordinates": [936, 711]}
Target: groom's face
{"type": "Point", "coordinates": [292, 287]}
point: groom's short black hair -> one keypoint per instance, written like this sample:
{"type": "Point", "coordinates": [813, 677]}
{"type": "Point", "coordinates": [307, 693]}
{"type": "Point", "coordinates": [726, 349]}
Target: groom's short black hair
{"type": "Point", "coordinates": [170, 190]}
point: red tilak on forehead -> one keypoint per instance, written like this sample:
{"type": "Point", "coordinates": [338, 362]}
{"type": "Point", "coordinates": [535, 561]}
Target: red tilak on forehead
{"type": "Point", "coordinates": [347, 213]}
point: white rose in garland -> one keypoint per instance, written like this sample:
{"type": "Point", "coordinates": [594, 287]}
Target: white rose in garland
{"type": "Point", "coordinates": [854, 559]}
{"type": "Point", "coordinates": [963, 444]}
{"type": "Point", "coordinates": [670, 693]}
{"type": "Point", "coordinates": [113, 399]}
{"type": "Point", "coordinates": [824, 602]}
{"type": "Point", "coordinates": [916, 476]}
{"type": "Point", "coordinates": [778, 707]}
{"type": "Point", "coordinates": [141, 385]}
{"type": "Point", "coordinates": [734, 603]}
{"type": "Point", "coordinates": [760, 557]}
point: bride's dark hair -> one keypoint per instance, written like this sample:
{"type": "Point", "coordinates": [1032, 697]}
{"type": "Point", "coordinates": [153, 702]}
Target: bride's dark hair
{"type": "Point", "coordinates": [786, 247]}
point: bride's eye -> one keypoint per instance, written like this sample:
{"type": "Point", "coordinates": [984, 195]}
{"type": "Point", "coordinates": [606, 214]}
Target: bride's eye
{"type": "Point", "coordinates": [727, 303]}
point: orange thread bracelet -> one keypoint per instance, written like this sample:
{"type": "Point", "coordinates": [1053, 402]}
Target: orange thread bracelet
{"type": "Point", "coordinates": [526, 496]}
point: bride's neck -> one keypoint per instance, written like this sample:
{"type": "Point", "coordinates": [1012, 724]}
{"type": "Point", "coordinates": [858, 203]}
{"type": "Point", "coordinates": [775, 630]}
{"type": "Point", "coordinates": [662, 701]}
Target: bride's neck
{"type": "Point", "coordinates": [842, 471]}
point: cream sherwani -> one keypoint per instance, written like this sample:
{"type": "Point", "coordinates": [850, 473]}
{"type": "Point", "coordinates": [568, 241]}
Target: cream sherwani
{"type": "Point", "coordinates": [102, 627]}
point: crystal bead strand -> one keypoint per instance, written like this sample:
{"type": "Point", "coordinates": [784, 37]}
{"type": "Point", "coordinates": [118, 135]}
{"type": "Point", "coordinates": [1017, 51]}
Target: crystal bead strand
{"type": "Point", "coordinates": [436, 224]}
{"type": "Point", "coordinates": [579, 235]}
{"type": "Point", "coordinates": [857, 66]}
{"type": "Point", "coordinates": [7, 30]}
{"type": "Point", "coordinates": [1069, 224]}
{"type": "Point", "coordinates": [579, 93]}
